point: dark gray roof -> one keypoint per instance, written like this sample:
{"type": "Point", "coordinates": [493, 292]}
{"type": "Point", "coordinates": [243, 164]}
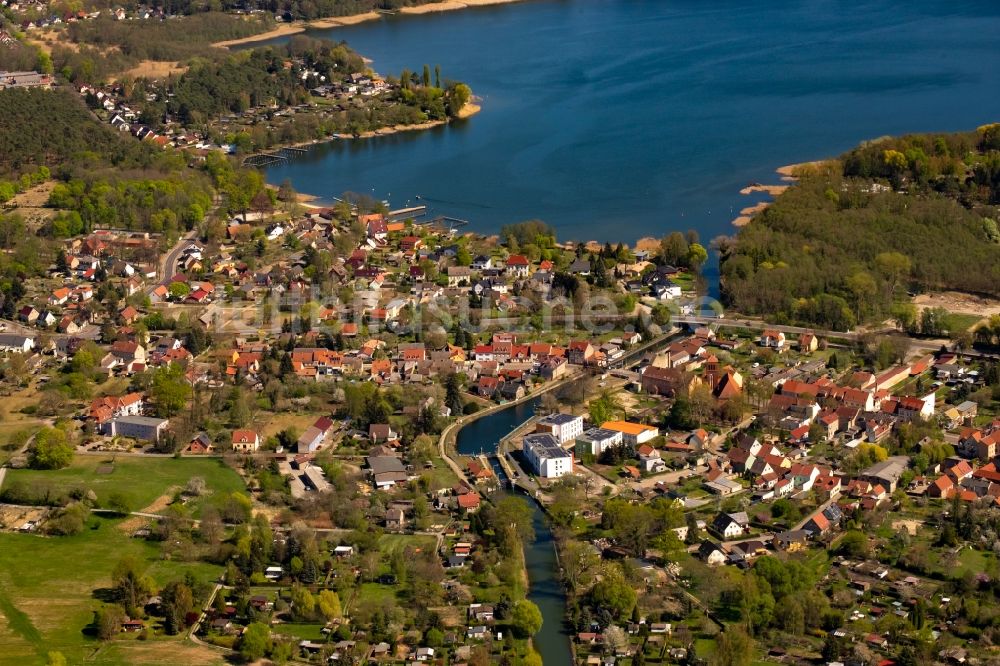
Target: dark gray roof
{"type": "Point", "coordinates": [558, 419]}
{"type": "Point", "coordinates": [383, 464]}
{"type": "Point", "coordinates": [597, 434]}
{"type": "Point", "coordinates": [545, 445]}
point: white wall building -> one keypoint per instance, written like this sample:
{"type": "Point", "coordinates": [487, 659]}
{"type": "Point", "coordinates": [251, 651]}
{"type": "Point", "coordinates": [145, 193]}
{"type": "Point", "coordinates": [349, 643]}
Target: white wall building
{"type": "Point", "coordinates": [596, 441]}
{"type": "Point", "coordinates": [564, 427]}
{"type": "Point", "coordinates": [546, 457]}
{"type": "Point", "coordinates": [633, 434]}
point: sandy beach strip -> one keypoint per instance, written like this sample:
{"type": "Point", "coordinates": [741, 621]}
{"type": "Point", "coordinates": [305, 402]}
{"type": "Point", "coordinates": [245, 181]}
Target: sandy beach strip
{"type": "Point", "coordinates": [747, 214]}
{"type": "Point", "coordinates": [282, 30]}
{"type": "Point", "coordinates": [340, 21]}
{"type": "Point", "coordinates": [470, 109]}
{"type": "Point", "coordinates": [773, 190]}
{"type": "Point", "coordinates": [295, 27]}
{"type": "Point", "coordinates": [756, 208]}
{"type": "Point", "coordinates": [791, 172]}
{"type": "Point", "coordinates": [450, 5]}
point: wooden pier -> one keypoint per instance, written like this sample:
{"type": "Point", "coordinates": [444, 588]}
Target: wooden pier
{"type": "Point", "coordinates": [407, 213]}
{"type": "Point", "coordinates": [445, 224]}
{"type": "Point", "coordinates": [267, 159]}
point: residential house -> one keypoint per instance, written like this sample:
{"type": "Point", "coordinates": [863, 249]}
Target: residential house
{"type": "Point", "coordinates": [772, 339]}
{"type": "Point", "coordinates": [381, 432]}
{"type": "Point", "coordinates": [245, 441]}
{"type": "Point", "coordinates": [886, 472]}
{"type": "Point", "coordinates": [20, 344]}
{"type": "Point", "coordinates": [808, 342]}
{"type": "Point", "coordinates": [711, 553]}
{"type": "Point", "coordinates": [730, 525]}
{"type": "Point", "coordinates": [387, 471]}
{"type": "Point", "coordinates": [517, 265]}
{"type": "Point", "coordinates": [791, 540]}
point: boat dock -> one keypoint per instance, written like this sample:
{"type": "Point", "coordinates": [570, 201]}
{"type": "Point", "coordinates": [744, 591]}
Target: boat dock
{"type": "Point", "coordinates": [407, 213]}
{"type": "Point", "coordinates": [264, 159]}
{"type": "Point", "coordinates": [445, 224]}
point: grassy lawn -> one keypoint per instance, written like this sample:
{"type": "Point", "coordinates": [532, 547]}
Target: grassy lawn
{"type": "Point", "coordinates": [973, 560]}
{"type": "Point", "coordinates": [438, 476]}
{"type": "Point", "coordinates": [704, 647]}
{"type": "Point", "coordinates": [140, 480]}
{"type": "Point", "coordinates": [958, 321]}
{"type": "Point", "coordinates": [388, 544]}
{"type": "Point", "coordinates": [47, 598]}
{"type": "Point", "coordinates": [369, 592]}
{"type": "Point", "coordinates": [279, 422]}
{"type": "Point", "coordinates": [309, 632]}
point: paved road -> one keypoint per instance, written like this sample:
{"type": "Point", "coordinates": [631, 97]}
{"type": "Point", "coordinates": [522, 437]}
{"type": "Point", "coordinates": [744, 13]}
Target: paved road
{"type": "Point", "coordinates": [168, 262]}
{"type": "Point", "coordinates": [821, 507]}
{"type": "Point", "coordinates": [192, 632]}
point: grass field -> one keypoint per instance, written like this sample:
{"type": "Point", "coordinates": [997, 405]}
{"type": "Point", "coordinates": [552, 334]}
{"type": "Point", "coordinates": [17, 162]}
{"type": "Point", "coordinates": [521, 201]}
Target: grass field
{"type": "Point", "coordinates": [308, 632]}
{"type": "Point", "coordinates": [974, 561]}
{"type": "Point", "coordinates": [47, 598]}
{"type": "Point", "coordinates": [140, 480]}
{"type": "Point", "coordinates": [390, 543]}
{"type": "Point", "coordinates": [960, 321]}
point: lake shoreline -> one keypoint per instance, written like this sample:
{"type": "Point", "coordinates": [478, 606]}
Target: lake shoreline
{"type": "Point", "coordinates": [788, 173]}
{"type": "Point", "coordinates": [470, 109]}
{"type": "Point", "coordinates": [300, 26]}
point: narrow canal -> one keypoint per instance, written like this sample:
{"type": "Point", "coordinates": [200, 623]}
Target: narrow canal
{"type": "Point", "coordinates": [545, 589]}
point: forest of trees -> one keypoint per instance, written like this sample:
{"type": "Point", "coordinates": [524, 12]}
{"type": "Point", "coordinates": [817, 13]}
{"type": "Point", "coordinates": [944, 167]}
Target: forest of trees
{"type": "Point", "coordinates": [837, 250]}
{"type": "Point", "coordinates": [253, 78]}
{"type": "Point", "coordinates": [170, 40]}
{"type": "Point", "coordinates": [261, 77]}
{"type": "Point", "coordinates": [296, 9]}
{"type": "Point", "coordinates": [50, 128]}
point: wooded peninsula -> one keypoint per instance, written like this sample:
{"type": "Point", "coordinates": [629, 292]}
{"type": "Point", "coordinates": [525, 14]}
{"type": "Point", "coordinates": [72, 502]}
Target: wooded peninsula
{"type": "Point", "coordinates": [892, 216]}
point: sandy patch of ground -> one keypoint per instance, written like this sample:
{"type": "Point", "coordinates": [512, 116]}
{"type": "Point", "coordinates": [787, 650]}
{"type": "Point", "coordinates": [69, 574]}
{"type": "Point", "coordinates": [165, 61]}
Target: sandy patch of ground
{"type": "Point", "coordinates": [296, 27]}
{"type": "Point", "coordinates": [47, 39]}
{"type": "Point", "coordinates": [36, 197]}
{"type": "Point", "coordinates": [746, 215]}
{"type": "Point", "coordinates": [31, 205]}
{"type": "Point", "coordinates": [756, 208]}
{"type": "Point", "coordinates": [283, 420]}
{"type": "Point", "coordinates": [386, 131]}
{"type": "Point", "coordinates": [773, 190]}
{"type": "Point", "coordinates": [648, 244]}
{"type": "Point", "coordinates": [957, 302]}
{"type": "Point", "coordinates": [281, 31]}
{"type": "Point", "coordinates": [792, 172]}
{"type": "Point", "coordinates": [159, 504]}
{"type": "Point", "coordinates": [470, 109]}
{"type": "Point", "coordinates": [449, 5]}
{"type": "Point", "coordinates": [911, 526]}
{"type": "Point", "coordinates": [154, 69]}
{"type": "Point", "coordinates": [338, 21]}
{"type": "Point", "coordinates": [13, 517]}
{"type": "Point", "coordinates": [169, 651]}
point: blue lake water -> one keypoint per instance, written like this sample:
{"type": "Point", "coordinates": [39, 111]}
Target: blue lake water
{"type": "Point", "coordinates": [616, 119]}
